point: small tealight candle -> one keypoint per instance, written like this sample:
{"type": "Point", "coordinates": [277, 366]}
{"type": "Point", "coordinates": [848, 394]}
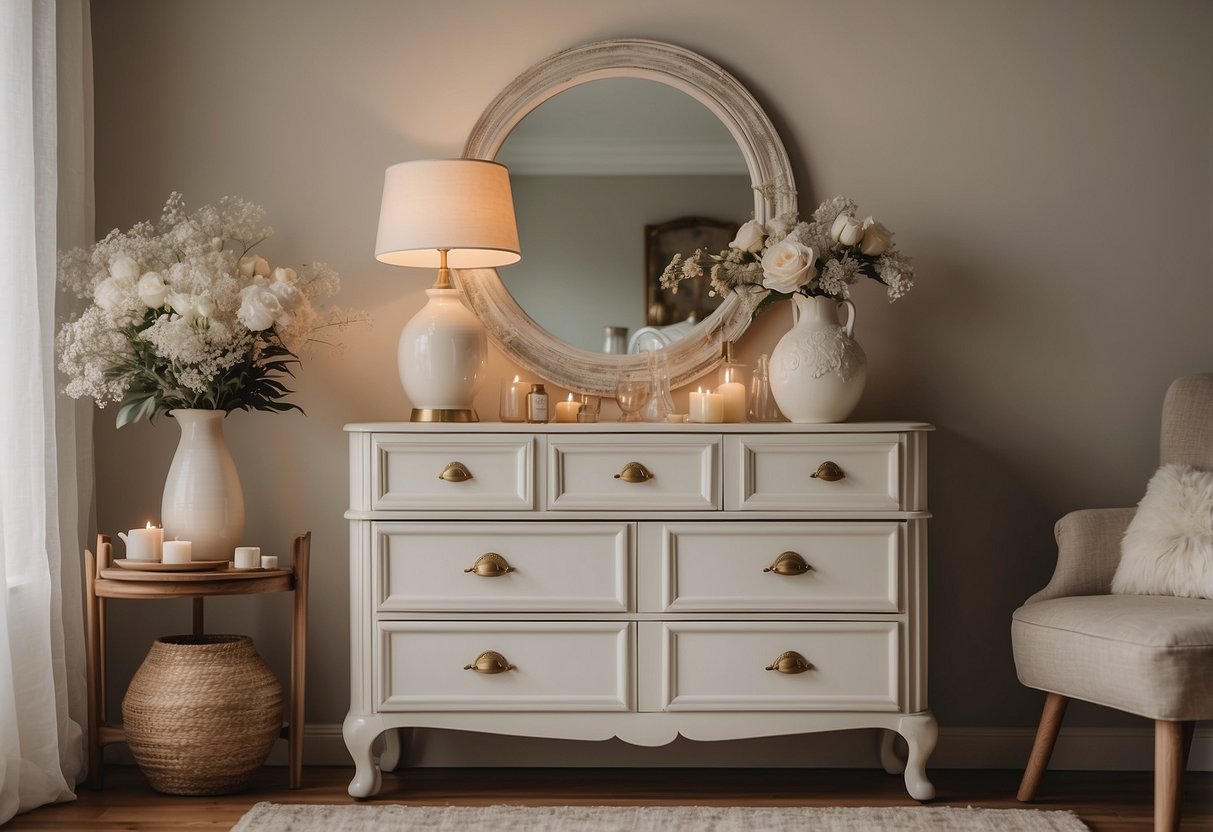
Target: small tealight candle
{"type": "Point", "coordinates": [707, 407]}
{"type": "Point", "coordinates": [178, 551]}
{"type": "Point", "coordinates": [568, 411]}
{"type": "Point", "coordinates": [143, 544]}
{"type": "Point", "coordinates": [269, 561]}
{"type": "Point", "coordinates": [248, 557]}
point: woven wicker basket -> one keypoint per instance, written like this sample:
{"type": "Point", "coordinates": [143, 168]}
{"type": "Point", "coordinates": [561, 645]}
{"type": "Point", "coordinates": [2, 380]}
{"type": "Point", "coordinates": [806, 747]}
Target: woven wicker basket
{"type": "Point", "coordinates": [202, 713]}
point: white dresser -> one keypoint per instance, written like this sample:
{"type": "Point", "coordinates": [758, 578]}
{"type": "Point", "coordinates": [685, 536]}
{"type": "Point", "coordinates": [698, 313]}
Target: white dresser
{"type": "Point", "coordinates": [638, 581]}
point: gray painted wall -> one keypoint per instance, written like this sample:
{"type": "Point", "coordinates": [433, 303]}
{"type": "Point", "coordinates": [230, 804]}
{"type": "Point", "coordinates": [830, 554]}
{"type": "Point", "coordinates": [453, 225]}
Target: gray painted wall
{"type": "Point", "coordinates": [1047, 164]}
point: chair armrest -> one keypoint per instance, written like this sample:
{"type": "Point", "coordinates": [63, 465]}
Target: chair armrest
{"type": "Point", "coordinates": [1088, 552]}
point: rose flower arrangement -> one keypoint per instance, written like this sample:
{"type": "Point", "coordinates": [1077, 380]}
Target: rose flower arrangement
{"type": "Point", "coordinates": [821, 257]}
{"type": "Point", "coordinates": [184, 315]}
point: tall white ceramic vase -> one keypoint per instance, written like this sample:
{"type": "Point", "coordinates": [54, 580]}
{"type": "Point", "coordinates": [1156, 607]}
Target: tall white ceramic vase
{"type": "Point", "coordinates": [818, 370]}
{"type": "Point", "coordinates": [203, 502]}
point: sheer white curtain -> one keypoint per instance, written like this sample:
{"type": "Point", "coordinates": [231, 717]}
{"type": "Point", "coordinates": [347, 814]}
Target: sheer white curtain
{"type": "Point", "coordinates": [41, 668]}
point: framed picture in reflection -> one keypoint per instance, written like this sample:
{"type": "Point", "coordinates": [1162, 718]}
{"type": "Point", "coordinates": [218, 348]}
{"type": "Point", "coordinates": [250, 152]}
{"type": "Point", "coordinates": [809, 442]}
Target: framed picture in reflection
{"type": "Point", "coordinates": [681, 236]}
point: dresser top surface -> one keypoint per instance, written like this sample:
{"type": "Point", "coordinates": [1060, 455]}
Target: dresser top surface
{"type": "Point", "coordinates": [635, 427]}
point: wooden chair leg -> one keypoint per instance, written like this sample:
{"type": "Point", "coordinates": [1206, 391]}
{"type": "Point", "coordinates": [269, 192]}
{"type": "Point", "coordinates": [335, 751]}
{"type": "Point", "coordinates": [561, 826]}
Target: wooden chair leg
{"type": "Point", "coordinates": [1168, 773]}
{"type": "Point", "coordinates": [301, 563]}
{"type": "Point", "coordinates": [1042, 749]}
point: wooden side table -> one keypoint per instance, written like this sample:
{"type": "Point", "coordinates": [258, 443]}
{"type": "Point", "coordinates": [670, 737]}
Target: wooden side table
{"type": "Point", "coordinates": [103, 582]}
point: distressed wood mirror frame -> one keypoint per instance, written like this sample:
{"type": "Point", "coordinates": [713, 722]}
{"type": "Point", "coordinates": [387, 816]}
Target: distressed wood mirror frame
{"type": "Point", "coordinates": [521, 338]}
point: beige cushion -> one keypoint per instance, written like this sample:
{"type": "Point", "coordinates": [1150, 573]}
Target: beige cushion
{"type": "Point", "coordinates": [1148, 655]}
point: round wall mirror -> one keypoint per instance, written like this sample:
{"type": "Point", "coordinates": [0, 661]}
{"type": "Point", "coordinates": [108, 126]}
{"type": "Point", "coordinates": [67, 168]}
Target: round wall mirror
{"type": "Point", "coordinates": [622, 153]}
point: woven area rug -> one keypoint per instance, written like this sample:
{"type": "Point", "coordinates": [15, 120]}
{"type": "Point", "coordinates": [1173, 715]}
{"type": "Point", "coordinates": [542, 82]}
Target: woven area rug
{"type": "Point", "coordinates": [275, 817]}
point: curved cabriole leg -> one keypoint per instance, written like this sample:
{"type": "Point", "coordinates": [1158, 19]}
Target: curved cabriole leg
{"type": "Point", "coordinates": [890, 759]}
{"type": "Point", "coordinates": [393, 746]}
{"type": "Point", "coordinates": [920, 732]}
{"type": "Point", "coordinates": [360, 733]}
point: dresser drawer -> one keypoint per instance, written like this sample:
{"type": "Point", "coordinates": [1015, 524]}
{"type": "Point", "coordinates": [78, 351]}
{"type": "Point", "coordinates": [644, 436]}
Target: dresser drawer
{"type": "Point", "coordinates": [639, 473]}
{"type": "Point", "coordinates": [744, 567]}
{"type": "Point", "coordinates": [556, 666]}
{"type": "Point", "coordinates": [722, 666]}
{"type": "Point", "coordinates": [571, 567]}
{"type": "Point", "coordinates": [779, 473]}
{"type": "Point", "coordinates": [455, 472]}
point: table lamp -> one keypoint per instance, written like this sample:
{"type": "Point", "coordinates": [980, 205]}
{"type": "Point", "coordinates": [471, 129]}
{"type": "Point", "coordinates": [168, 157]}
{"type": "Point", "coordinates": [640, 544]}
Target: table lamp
{"type": "Point", "coordinates": [445, 214]}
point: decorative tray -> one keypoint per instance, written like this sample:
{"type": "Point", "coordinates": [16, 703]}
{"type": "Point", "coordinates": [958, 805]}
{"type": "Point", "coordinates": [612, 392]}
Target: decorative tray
{"type": "Point", "coordinates": [157, 566]}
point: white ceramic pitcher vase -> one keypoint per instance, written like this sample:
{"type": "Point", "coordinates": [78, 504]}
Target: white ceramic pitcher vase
{"type": "Point", "coordinates": [818, 370]}
{"type": "Point", "coordinates": [203, 502]}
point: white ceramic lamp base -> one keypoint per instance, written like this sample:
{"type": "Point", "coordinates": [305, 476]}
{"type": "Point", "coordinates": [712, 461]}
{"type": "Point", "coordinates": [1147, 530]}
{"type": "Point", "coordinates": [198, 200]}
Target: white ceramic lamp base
{"type": "Point", "coordinates": [442, 358]}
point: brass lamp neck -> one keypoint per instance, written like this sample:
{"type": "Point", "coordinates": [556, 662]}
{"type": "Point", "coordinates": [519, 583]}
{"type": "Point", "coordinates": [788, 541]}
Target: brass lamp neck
{"type": "Point", "coordinates": [444, 273]}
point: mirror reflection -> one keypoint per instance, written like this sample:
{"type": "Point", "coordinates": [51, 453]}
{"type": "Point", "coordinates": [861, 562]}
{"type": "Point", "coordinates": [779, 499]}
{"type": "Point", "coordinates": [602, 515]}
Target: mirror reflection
{"type": "Point", "coordinates": [596, 171]}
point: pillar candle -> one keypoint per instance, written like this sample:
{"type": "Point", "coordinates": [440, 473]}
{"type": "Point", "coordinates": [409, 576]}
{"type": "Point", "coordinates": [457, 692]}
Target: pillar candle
{"type": "Point", "coordinates": [567, 411]}
{"type": "Point", "coordinates": [733, 395]}
{"type": "Point", "coordinates": [143, 544]}
{"type": "Point", "coordinates": [707, 406]}
{"type": "Point", "coordinates": [513, 400]}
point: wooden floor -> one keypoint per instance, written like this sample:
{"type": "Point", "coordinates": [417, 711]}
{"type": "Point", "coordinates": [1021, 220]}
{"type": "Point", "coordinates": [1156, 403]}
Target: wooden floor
{"type": "Point", "coordinates": [1107, 802]}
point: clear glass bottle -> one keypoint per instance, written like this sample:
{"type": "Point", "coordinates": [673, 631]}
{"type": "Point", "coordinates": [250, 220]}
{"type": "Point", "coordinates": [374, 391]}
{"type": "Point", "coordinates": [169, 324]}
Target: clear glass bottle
{"type": "Point", "coordinates": [661, 401]}
{"type": "Point", "coordinates": [762, 404]}
{"type": "Point", "coordinates": [732, 385]}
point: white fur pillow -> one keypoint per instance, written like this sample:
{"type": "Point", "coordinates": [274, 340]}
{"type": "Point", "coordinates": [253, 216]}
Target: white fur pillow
{"type": "Point", "coordinates": [1168, 547]}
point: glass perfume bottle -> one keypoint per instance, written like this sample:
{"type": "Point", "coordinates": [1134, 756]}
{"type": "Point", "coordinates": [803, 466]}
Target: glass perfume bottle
{"type": "Point", "coordinates": [732, 385]}
{"type": "Point", "coordinates": [661, 402]}
{"type": "Point", "coordinates": [762, 404]}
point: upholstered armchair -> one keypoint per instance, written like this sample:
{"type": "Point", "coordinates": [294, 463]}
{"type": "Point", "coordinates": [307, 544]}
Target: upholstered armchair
{"type": "Point", "coordinates": [1150, 655]}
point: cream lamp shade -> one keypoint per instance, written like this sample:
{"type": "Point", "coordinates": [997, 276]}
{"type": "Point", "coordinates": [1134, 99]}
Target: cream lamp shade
{"type": "Point", "coordinates": [461, 205]}
{"type": "Point", "coordinates": [445, 214]}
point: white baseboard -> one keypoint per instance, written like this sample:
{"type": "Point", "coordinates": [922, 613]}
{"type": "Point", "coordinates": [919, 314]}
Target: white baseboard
{"type": "Point", "coordinates": [1083, 749]}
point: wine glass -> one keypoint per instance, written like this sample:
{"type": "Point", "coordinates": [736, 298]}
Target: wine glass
{"type": "Point", "coordinates": [632, 392]}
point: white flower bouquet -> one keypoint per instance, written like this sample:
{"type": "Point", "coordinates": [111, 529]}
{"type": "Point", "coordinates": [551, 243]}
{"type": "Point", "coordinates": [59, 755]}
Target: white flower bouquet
{"type": "Point", "coordinates": [184, 315]}
{"type": "Point", "coordinates": [821, 257]}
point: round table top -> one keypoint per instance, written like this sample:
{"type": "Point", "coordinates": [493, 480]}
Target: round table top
{"type": "Point", "coordinates": [118, 574]}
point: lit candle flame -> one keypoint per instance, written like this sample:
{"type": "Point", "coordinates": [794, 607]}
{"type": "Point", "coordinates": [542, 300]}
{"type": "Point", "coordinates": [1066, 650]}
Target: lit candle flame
{"type": "Point", "coordinates": [149, 524]}
{"type": "Point", "coordinates": [570, 396]}
{"type": "Point", "coordinates": [517, 379]}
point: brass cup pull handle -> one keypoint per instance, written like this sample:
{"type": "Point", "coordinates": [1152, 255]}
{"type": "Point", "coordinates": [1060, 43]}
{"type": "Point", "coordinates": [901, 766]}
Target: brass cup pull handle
{"type": "Point", "coordinates": [490, 565]}
{"type": "Point", "coordinates": [490, 661]}
{"type": "Point", "coordinates": [455, 472]}
{"type": "Point", "coordinates": [790, 662]}
{"type": "Point", "coordinates": [634, 472]}
{"type": "Point", "coordinates": [789, 563]}
{"type": "Point", "coordinates": [829, 472]}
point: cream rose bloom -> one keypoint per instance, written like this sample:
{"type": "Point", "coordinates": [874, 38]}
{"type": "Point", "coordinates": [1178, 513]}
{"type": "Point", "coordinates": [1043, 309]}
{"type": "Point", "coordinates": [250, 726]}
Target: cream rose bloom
{"type": "Point", "coordinates": [152, 290]}
{"type": "Point", "coordinates": [114, 293]}
{"type": "Point", "coordinates": [750, 237]}
{"type": "Point", "coordinates": [876, 238]}
{"type": "Point", "coordinates": [183, 305]}
{"type": "Point", "coordinates": [124, 268]}
{"type": "Point", "coordinates": [847, 230]}
{"type": "Point", "coordinates": [281, 275]}
{"type": "Point", "coordinates": [788, 265]}
{"type": "Point", "coordinates": [288, 294]}
{"type": "Point", "coordinates": [259, 308]}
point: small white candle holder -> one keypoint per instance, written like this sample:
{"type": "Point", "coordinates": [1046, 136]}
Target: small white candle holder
{"type": "Point", "coordinates": [177, 551]}
{"type": "Point", "coordinates": [248, 557]}
{"type": "Point", "coordinates": [269, 561]}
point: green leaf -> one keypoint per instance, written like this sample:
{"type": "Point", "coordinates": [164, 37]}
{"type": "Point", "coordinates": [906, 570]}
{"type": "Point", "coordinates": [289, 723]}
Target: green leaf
{"type": "Point", "coordinates": [135, 408]}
